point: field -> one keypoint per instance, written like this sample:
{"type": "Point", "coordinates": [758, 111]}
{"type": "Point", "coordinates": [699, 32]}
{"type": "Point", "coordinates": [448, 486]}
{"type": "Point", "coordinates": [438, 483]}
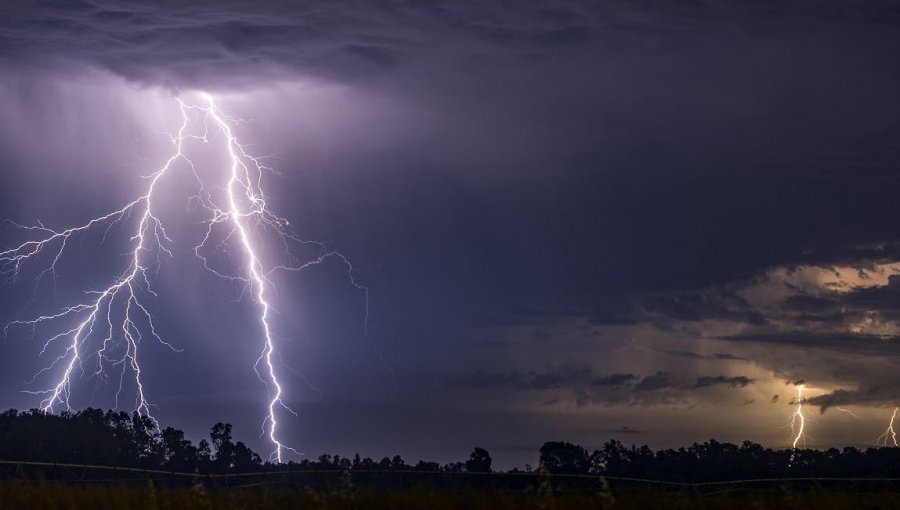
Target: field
{"type": "Point", "coordinates": [27, 496]}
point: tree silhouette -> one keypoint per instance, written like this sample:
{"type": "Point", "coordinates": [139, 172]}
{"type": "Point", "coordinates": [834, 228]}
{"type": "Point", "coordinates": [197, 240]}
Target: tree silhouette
{"type": "Point", "coordinates": [115, 438]}
{"type": "Point", "coordinates": [479, 461]}
{"type": "Point", "coordinates": [564, 458]}
{"type": "Point", "coordinates": [178, 454]}
{"type": "Point", "coordinates": [231, 457]}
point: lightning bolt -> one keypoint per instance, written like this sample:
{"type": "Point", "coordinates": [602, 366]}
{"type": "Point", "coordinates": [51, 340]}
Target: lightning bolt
{"type": "Point", "coordinates": [847, 412]}
{"type": "Point", "coordinates": [889, 438]}
{"type": "Point", "coordinates": [240, 184]}
{"type": "Point", "coordinates": [126, 289]}
{"type": "Point", "coordinates": [119, 309]}
{"type": "Point", "coordinates": [798, 422]}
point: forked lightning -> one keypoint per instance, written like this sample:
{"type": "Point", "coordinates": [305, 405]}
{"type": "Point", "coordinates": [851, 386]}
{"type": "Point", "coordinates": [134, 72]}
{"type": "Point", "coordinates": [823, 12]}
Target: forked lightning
{"type": "Point", "coordinates": [798, 424]}
{"type": "Point", "coordinates": [889, 438]}
{"type": "Point", "coordinates": [120, 312]}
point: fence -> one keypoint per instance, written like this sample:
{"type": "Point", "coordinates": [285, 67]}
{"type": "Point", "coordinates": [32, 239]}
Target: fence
{"type": "Point", "coordinates": [294, 477]}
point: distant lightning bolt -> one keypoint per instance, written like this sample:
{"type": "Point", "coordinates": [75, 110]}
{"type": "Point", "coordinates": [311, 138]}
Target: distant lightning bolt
{"type": "Point", "coordinates": [889, 438]}
{"type": "Point", "coordinates": [245, 210]}
{"type": "Point", "coordinates": [798, 421]}
{"type": "Point", "coordinates": [847, 412]}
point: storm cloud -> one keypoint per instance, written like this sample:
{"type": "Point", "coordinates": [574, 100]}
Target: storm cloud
{"type": "Point", "coordinates": [569, 216]}
{"type": "Point", "coordinates": [181, 44]}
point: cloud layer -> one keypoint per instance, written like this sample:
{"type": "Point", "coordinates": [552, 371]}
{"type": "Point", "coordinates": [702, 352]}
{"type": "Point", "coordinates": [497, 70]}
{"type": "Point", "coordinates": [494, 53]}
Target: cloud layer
{"type": "Point", "coordinates": [238, 43]}
{"type": "Point", "coordinates": [576, 219]}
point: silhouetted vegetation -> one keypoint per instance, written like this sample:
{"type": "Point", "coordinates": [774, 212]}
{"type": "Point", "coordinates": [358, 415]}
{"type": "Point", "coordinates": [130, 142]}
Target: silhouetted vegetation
{"type": "Point", "coordinates": [120, 439]}
{"type": "Point", "coordinates": [715, 461]}
{"type": "Point", "coordinates": [110, 438]}
{"type": "Point", "coordinates": [27, 497]}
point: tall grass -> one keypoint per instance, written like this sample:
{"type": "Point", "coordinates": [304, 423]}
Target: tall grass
{"type": "Point", "coordinates": [28, 496]}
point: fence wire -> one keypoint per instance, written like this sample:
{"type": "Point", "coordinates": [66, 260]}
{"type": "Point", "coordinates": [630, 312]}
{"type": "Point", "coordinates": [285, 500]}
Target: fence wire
{"type": "Point", "coordinates": [12, 471]}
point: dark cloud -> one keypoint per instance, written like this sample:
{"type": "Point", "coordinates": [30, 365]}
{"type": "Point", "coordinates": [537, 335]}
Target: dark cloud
{"type": "Point", "coordinates": [839, 309]}
{"type": "Point", "coordinates": [235, 41]}
{"type": "Point", "coordinates": [714, 356]}
{"type": "Point", "coordinates": [624, 430]}
{"type": "Point", "coordinates": [658, 381]}
{"type": "Point", "coordinates": [613, 379]}
{"type": "Point", "coordinates": [733, 381]}
{"type": "Point", "coordinates": [811, 308]}
{"type": "Point", "coordinates": [590, 86]}
{"type": "Point", "coordinates": [558, 378]}
{"type": "Point", "coordinates": [701, 306]}
{"type": "Point", "coordinates": [860, 396]}
{"type": "Point", "coordinates": [866, 344]}
{"type": "Point", "coordinates": [583, 386]}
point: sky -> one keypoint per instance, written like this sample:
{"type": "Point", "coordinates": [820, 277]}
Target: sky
{"type": "Point", "coordinates": [576, 220]}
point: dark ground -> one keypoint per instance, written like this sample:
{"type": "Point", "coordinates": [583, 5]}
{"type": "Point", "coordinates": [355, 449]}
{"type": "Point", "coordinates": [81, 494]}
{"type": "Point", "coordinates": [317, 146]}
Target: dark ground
{"type": "Point", "coordinates": [37, 496]}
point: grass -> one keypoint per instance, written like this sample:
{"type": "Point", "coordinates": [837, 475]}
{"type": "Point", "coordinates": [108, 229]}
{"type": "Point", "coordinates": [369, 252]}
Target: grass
{"type": "Point", "coordinates": [27, 496]}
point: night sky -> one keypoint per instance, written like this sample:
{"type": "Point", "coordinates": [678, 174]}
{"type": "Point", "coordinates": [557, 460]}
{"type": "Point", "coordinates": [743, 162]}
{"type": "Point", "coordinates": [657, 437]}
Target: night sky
{"type": "Point", "coordinates": [578, 220]}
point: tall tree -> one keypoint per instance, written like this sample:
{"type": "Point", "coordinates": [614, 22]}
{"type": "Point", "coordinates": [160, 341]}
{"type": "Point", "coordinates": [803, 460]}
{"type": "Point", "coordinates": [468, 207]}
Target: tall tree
{"type": "Point", "coordinates": [479, 461]}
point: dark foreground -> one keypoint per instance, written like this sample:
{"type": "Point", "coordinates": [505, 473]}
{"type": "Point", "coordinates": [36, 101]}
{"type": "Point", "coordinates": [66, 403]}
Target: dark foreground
{"type": "Point", "coordinates": [41, 496]}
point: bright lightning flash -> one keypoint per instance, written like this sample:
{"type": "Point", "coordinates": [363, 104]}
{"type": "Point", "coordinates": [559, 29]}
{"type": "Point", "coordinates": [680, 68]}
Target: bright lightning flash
{"type": "Point", "coordinates": [119, 311]}
{"type": "Point", "coordinates": [889, 438]}
{"type": "Point", "coordinates": [798, 420]}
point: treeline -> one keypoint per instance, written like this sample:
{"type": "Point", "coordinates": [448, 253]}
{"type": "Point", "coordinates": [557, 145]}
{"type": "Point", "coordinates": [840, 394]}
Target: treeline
{"type": "Point", "coordinates": [114, 438]}
{"type": "Point", "coordinates": [111, 438]}
{"type": "Point", "coordinates": [117, 438]}
{"type": "Point", "coordinates": [715, 461]}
